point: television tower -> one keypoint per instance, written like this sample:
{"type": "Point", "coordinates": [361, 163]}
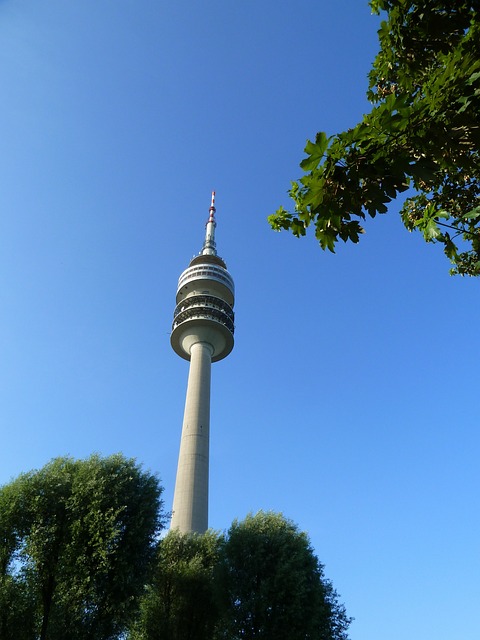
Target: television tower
{"type": "Point", "coordinates": [202, 332]}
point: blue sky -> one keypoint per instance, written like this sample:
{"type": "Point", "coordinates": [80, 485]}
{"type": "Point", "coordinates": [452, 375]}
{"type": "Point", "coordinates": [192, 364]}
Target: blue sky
{"type": "Point", "coordinates": [350, 400]}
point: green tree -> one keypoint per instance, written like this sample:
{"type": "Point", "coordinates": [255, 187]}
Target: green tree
{"type": "Point", "coordinates": [78, 538]}
{"type": "Point", "coordinates": [17, 602]}
{"type": "Point", "coordinates": [272, 586]}
{"type": "Point", "coordinates": [17, 618]}
{"type": "Point", "coordinates": [422, 133]}
{"type": "Point", "coordinates": [179, 603]}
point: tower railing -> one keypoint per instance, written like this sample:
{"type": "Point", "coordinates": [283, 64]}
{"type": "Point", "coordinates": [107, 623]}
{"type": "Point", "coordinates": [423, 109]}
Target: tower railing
{"type": "Point", "coordinates": [204, 311]}
{"type": "Point", "coordinates": [201, 301]}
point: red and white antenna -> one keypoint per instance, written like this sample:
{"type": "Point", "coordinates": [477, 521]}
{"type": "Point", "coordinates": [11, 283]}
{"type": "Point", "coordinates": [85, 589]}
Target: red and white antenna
{"type": "Point", "coordinates": [209, 246]}
{"type": "Point", "coordinates": [212, 207]}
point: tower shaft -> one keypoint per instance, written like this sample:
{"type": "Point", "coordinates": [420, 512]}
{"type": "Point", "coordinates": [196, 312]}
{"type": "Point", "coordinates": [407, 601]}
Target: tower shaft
{"type": "Point", "coordinates": [190, 502]}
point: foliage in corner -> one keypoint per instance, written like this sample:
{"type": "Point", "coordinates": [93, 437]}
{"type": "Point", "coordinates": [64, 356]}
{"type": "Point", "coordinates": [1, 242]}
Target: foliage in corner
{"type": "Point", "coordinates": [77, 539]}
{"type": "Point", "coordinates": [422, 134]}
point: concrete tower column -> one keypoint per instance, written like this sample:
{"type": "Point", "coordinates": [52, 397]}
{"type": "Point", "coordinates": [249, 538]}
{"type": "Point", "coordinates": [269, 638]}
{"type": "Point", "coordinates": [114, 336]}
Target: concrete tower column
{"type": "Point", "coordinates": [190, 502]}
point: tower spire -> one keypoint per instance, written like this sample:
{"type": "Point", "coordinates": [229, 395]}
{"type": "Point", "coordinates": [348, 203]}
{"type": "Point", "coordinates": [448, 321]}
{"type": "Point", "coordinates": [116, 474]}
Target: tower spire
{"type": "Point", "coordinates": [209, 247]}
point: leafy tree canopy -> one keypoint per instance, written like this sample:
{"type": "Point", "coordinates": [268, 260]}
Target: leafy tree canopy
{"type": "Point", "coordinates": [76, 542]}
{"type": "Point", "coordinates": [180, 602]}
{"type": "Point", "coordinates": [272, 585]}
{"type": "Point", "coordinates": [423, 134]}
{"type": "Point", "coordinates": [260, 580]}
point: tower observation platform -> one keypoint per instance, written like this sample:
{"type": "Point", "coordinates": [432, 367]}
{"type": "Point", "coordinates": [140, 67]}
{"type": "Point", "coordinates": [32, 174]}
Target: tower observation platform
{"type": "Point", "coordinates": [202, 332]}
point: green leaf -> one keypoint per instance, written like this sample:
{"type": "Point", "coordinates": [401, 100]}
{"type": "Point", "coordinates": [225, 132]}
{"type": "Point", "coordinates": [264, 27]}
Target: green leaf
{"type": "Point", "coordinates": [297, 227]}
{"type": "Point", "coordinates": [473, 214]}
{"type": "Point", "coordinates": [450, 248]}
{"type": "Point", "coordinates": [327, 238]}
{"type": "Point", "coordinates": [430, 230]}
{"type": "Point", "coordinates": [281, 219]}
{"type": "Point", "coordinates": [315, 151]}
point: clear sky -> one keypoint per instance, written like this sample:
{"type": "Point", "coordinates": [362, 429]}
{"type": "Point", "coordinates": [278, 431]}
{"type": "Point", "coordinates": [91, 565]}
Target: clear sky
{"type": "Point", "coordinates": [350, 401]}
